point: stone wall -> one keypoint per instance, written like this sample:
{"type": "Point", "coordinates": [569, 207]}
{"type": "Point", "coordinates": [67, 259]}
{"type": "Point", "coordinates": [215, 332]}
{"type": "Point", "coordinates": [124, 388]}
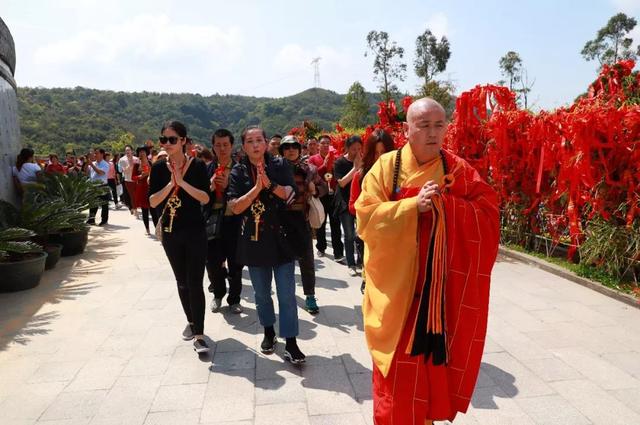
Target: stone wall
{"type": "Point", "coordinates": [9, 125]}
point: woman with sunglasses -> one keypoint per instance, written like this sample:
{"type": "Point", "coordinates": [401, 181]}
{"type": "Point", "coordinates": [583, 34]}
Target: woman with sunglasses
{"type": "Point", "coordinates": [260, 186]}
{"type": "Point", "coordinates": [178, 187]}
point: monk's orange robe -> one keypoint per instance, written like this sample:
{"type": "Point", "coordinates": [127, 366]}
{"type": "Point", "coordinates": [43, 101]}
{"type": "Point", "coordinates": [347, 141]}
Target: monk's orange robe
{"type": "Point", "coordinates": [411, 389]}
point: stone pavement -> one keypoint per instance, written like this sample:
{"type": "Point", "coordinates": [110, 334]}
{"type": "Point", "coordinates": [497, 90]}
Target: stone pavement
{"type": "Point", "coordinates": [98, 342]}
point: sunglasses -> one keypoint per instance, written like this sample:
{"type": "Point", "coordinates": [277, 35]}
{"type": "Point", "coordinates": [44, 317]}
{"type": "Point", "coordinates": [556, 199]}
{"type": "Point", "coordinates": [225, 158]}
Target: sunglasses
{"type": "Point", "coordinates": [171, 140]}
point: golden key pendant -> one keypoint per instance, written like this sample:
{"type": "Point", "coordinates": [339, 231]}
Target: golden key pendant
{"type": "Point", "coordinates": [327, 178]}
{"type": "Point", "coordinates": [172, 214]}
{"type": "Point", "coordinates": [173, 204]}
{"type": "Point", "coordinates": [257, 209]}
{"type": "Point", "coordinates": [256, 233]}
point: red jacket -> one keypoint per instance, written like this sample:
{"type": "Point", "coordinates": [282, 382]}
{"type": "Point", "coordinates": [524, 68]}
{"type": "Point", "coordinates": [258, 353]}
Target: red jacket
{"type": "Point", "coordinates": [318, 161]}
{"type": "Point", "coordinates": [356, 188]}
{"type": "Point", "coordinates": [56, 168]}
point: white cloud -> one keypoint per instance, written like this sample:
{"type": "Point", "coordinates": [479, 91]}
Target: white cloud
{"type": "Point", "coordinates": [143, 38]}
{"type": "Point", "coordinates": [635, 35]}
{"type": "Point", "coordinates": [338, 67]}
{"type": "Point", "coordinates": [294, 56]}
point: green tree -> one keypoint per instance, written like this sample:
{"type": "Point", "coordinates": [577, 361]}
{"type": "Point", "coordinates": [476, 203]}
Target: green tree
{"type": "Point", "coordinates": [525, 88]}
{"type": "Point", "coordinates": [440, 91]}
{"type": "Point", "coordinates": [511, 68]}
{"type": "Point", "coordinates": [387, 65]}
{"type": "Point", "coordinates": [612, 42]}
{"type": "Point", "coordinates": [356, 108]}
{"type": "Point", "coordinates": [121, 140]}
{"type": "Point", "coordinates": [431, 55]}
{"type": "Point", "coordinates": [59, 120]}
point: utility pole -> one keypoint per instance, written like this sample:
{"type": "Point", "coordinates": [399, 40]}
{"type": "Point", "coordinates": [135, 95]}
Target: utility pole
{"type": "Point", "coordinates": [316, 73]}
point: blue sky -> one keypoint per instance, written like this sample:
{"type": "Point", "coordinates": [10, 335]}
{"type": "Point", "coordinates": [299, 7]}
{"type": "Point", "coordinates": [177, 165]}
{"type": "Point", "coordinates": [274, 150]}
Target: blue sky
{"type": "Point", "coordinates": [264, 48]}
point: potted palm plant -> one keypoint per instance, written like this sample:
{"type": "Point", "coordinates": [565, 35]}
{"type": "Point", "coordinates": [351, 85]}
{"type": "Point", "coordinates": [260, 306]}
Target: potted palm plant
{"type": "Point", "coordinates": [77, 194]}
{"type": "Point", "coordinates": [43, 219]}
{"type": "Point", "coordinates": [21, 260]}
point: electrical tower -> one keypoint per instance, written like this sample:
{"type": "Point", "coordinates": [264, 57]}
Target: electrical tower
{"type": "Point", "coordinates": [316, 72]}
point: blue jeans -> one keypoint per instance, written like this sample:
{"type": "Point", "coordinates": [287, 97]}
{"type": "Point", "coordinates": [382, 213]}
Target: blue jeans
{"type": "Point", "coordinates": [286, 291]}
{"type": "Point", "coordinates": [349, 229]}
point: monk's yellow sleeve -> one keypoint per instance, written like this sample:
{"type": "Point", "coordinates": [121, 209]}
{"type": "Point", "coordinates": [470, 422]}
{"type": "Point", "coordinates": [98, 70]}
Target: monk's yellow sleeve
{"type": "Point", "coordinates": [380, 220]}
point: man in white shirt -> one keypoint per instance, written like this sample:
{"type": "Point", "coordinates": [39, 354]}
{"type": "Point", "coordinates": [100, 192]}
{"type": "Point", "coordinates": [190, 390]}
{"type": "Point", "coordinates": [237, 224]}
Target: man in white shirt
{"type": "Point", "coordinates": [125, 164]}
{"type": "Point", "coordinates": [98, 171]}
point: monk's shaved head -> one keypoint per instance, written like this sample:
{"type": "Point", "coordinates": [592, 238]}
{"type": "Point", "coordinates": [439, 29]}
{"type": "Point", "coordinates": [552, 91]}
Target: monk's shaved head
{"type": "Point", "coordinates": [422, 106]}
{"type": "Point", "coordinates": [425, 129]}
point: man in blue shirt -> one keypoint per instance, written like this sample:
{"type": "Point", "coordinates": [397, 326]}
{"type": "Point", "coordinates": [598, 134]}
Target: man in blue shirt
{"type": "Point", "coordinates": [98, 171]}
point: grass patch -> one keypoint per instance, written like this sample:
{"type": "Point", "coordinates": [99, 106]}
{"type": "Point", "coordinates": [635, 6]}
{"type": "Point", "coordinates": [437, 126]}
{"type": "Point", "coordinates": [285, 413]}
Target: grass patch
{"type": "Point", "coordinates": [589, 272]}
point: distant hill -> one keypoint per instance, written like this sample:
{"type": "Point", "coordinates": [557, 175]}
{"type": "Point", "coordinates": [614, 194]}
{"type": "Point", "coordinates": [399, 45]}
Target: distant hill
{"type": "Point", "coordinates": [53, 120]}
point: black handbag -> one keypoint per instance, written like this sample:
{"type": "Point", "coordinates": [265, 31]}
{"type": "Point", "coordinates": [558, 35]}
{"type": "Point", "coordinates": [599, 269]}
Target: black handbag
{"type": "Point", "coordinates": [213, 223]}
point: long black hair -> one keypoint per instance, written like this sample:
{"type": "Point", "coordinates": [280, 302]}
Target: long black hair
{"type": "Point", "coordinates": [24, 156]}
{"type": "Point", "coordinates": [176, 126]}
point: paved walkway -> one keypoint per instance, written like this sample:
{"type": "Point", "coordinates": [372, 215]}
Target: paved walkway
{"type": "Point", "coordinates": [98, 342]}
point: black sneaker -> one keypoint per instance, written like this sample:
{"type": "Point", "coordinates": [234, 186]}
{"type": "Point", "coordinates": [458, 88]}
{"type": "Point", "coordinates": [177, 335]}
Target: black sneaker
{"type": "Point", "coordinates": [311, 305]}
{"type": "Point", "coordinates": [364, 284]}
{"type": "Point", "coordinates": [200, 346]}
{"type": "Point", "coordinates": [187, 333]}
{"type": "Point", "coordinates": [216, 305]}
{"type": "Point", "coordinates": [294, 355]}
{"type": "Point", "coordinates": [91, 221]}
{"type": "Point", "coordinates": [104, 223]}
{"type": "Point", "coordinates": [268, 344]}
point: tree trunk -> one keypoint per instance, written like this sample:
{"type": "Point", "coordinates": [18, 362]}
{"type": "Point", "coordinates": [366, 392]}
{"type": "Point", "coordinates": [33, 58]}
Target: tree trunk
{"type": "Point", "coordinates": [387, 96]}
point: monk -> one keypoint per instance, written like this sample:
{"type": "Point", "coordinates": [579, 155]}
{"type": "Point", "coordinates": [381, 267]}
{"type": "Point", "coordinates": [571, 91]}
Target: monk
{"type": "Point", "coordinates": [430, 224]}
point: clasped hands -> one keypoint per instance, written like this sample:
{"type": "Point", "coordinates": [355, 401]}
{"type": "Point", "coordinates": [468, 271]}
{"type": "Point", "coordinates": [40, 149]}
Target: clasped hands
{"type": "Point", "coordinates": [263, 182]}
{"type": "Point", "coordinates": [428, 191]}
{"type": "Point", "coordinates": [177, 176]}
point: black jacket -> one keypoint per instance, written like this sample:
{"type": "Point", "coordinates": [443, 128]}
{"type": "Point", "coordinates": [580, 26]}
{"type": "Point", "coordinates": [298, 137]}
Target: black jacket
{"type": "Point", "coordinates": [271, 248]}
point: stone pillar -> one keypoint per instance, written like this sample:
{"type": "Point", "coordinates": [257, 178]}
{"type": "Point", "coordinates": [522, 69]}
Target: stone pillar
{"type": "Point", "coordinates": [9, 125]}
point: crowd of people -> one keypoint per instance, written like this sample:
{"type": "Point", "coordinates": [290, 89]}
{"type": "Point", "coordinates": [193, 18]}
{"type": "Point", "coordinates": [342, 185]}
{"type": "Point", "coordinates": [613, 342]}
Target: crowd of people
{"type": "Point", "coordinates": [304, 169]}
{"type": "Point", "coordinates": [256, 214]}
{"type": "Point", "coordinates": [220, 209]}
{"type": "Point", "coordinates": [124, 174]}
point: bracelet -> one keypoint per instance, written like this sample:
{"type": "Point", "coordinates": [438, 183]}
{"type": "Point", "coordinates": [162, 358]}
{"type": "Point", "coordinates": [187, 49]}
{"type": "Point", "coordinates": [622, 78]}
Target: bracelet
{"type": "Point", "coordinates": [272, 187]}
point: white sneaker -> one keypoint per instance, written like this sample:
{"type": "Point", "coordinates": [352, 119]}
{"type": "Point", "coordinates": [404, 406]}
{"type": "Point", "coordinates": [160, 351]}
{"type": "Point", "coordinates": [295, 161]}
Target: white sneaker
{"type": "Point", "coordinates": [353, 271]}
